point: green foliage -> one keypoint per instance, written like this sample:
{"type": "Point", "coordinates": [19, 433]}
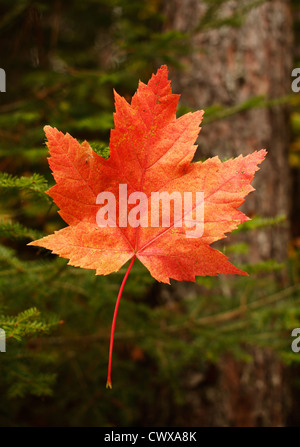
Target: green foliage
{"type": "Point", "coordinates": [100, 148]}
{"type": "Point", "coordinates": [260, 222]}
{"type": "Point", "coordinates": [217, 111]}
{"type": "Point", "coordinates": [36, 182]}
{"type": "Point", "coordinates": [215, 18]}
{"type": "Point", "coordinates": [14, 230]}
{"type": "Point", "coordinates": [25, 323]}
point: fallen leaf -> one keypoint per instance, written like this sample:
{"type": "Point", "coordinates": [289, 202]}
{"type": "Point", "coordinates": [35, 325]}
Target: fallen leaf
{"type": "Point", "coordinates": [151, 151]}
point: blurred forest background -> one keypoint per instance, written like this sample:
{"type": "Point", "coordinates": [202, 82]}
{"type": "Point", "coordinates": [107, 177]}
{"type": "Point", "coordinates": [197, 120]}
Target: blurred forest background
{"type": "Point", "coordinates": [214, 353]}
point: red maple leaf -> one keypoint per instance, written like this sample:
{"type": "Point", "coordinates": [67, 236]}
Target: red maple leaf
{"type": "Point", "coordinates": [151, 152]}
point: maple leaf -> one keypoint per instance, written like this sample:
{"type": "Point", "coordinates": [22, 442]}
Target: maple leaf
{"type": "Point", "coordinates": [151, 151]}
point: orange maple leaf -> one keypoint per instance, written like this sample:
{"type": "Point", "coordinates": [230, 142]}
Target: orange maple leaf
{"type": "Point", "coordinates": [151, 152]}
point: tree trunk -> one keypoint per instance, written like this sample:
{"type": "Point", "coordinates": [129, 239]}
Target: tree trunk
{"type": "Point", "coordinates": [228, 66]}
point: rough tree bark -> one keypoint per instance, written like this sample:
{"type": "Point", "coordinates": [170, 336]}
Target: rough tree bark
{"type": "Point", "coordinates": [228, 66]}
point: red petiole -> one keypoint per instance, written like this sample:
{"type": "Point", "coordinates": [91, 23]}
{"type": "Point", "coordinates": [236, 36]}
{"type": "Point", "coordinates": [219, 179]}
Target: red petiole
{"type": "Point", "coordinates": [108, 382]}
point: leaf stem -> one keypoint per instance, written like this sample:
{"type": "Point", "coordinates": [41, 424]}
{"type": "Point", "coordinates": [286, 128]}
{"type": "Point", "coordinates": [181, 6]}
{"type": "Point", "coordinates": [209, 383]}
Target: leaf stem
{"type": "Point", "coordinates": [108, 382]}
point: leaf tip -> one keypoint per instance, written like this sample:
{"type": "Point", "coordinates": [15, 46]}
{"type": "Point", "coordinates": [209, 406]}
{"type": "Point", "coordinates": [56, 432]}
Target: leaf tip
{"type": "Point", "coordinates": [262, 154]}
{"type": "Point", "coordinates": [108, 385]}
{"type": "Point", "coordinates": [32, 243]}
{"type": "Point", "coordinates": [164, 68]}
{"type": "Point", "coordinates": [47, 129]}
